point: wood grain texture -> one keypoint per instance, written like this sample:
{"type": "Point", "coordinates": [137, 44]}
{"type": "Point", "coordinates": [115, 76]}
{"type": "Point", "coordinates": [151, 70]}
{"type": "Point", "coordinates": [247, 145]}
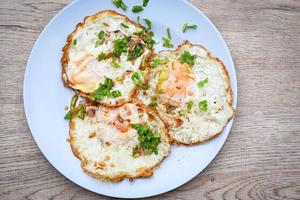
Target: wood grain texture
{"type": "Point", "coordinates": [260, 159]}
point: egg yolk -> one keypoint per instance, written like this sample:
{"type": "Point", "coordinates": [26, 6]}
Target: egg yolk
{"type": "Point", "coordinates": [81, 76]}
{"type": "Point", "coordinates": [179, 80]}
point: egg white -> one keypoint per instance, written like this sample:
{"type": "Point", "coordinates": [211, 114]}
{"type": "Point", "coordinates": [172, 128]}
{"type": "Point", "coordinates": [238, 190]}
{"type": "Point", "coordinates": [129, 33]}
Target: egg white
{"type": "Point", "coordinates": [83, 72]}
{"type": "Point", "coordinates": [197, 125]}
{"type": "Point", "coordinates": [105, 152]}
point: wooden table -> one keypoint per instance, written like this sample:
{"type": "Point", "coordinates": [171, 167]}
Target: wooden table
{"type": "Point", "coordinates": [261, 158]}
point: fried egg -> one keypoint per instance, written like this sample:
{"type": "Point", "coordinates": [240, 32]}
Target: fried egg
{"type": "Point", "coordinates": [111, 145]}
{"type": "Point", "coordinates": [106, 46]}
{"type": "Point", "coordinates": [191, 91]}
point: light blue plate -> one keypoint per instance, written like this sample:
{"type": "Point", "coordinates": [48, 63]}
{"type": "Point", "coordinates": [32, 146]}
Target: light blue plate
{"type": "Point", "coordinates": [45, 97]}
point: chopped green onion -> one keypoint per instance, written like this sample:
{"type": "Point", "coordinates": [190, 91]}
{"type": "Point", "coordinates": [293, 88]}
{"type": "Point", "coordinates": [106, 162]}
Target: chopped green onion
{"type": "Point", "coordinates": [120, 78]}
{"type": "Point", "coordinates": [74, 42]}
{"type": "Point", "coordinates": [75, 112]}
{"type": "Point", "coordinates": [100, 39]}
{"type": "Point", "coordinates": [167, 42]}
{"type": "Point", "coordinates": [73, 102]}
{"type": "Point", "coordinates": [169, 33]}
{"type": "Point", "coordinates": [145, 3]}
{"type": "Point", "coordinates": [120, 4]}
{"type": "Point", "coordinates": [203, 105]}
{"type": "Point", "coordinates": [136, 78]}
{"type": "Point", "coordinates": [148, 23]}
{"type": "Point", "coordinates": [120, 46]}
{"type": "Point", "coordinates": [153, 103]}
{"type": "Point", "coordinates": [190, 106]}
{"type": "Point", "coordinates": [186, 27]}
{"type": "Point", "coordinates": [135, 52]}
{"type": "Point", "coordinates": [68, 115]}
{"type": "Point", "coordinates": [148, 140]}
{"type": "Point", "coordinates": [146, 36]}
{"type": "Point", "coordinates": [137, 9]}
{"type": "Point", "coordinates": [124, 25]}
{"type": "Point", "coordinates": [115, 64]}
{"type": "Point", "coordinates": [158, 61]}
{"type": "Point", "coordinates": [101, 56]}
{"type": "Point", "coordinates": [116, 93]}
{"type": "Point", "coordinates": [187, 57]}
{"type": "Point", "coordinates": [188, 109]}
{"type": "Point", "coordinates": [202, 83]}
{"type": "Point", "coordinates": [104, 90]}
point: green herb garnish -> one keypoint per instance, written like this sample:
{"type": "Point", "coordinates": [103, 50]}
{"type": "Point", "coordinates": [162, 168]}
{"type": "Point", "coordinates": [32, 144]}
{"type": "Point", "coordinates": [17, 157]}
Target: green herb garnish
{"type": "Point", "coordinates": [120, 46]}
{"type": "Point", "coordinates": [124, 25]}
{"type": "Point", "coordinates": [148, 23]}
{"type": "Point", "coordinates": [146, 36]}
{"type": "Point", "coordinates": [186, 27]}
{"type": "Point", "coordinates": [101, 56]}
{"type": "Point", "coordinates": [120, 4]}
{"type": "Point", "coordinates": [145, 3]}
{"type": "Point", "coordinates": [188, 109]}
{"type": "Point", "coordinates": [203, 105]}
{"type": "Point", "coordinates": [104, 90]}
{"type": "Point", "coordinates": [135, 52]}
{"type": "Point", "coordinates": [167, 42]}
{"type": "Point", "coordinates": [100, 39]}
{"type": "Point", "coordinates": [187, 57]}
{"type": "Point", "coordinates": [153, 103]}
{"type": "Point", "coordinates": [137, 9]}
{"type": "Point", "coordinates": [138, 19]}
{"type": "Point", "coordinates": [68, 115]}
{"type": "Point", "coordinates": [116, 93]}
{"type": "Point", "coordinates": [74, 42]}
{"type": "Point", "coordinates": [148, 140]}
{"type": "Point", "coordinates": [136, 78]}
{"type": "Point", "coordinates": [115, 64]}
{"type": "Point", "coordinates": [190, 106]}
{"type": "Point", "coordinates": [158, 61]}
{"type": "Point", "coordinates": [202, 83]}
{"type": "Point", "coordinates": [169, 33]}
{"type": "Point", "coordinates": [75, 111]}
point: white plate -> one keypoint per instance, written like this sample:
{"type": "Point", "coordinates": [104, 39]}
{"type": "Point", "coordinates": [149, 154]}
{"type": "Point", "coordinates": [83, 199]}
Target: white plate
{"type": "Point", "coordinates": [45, 97]}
